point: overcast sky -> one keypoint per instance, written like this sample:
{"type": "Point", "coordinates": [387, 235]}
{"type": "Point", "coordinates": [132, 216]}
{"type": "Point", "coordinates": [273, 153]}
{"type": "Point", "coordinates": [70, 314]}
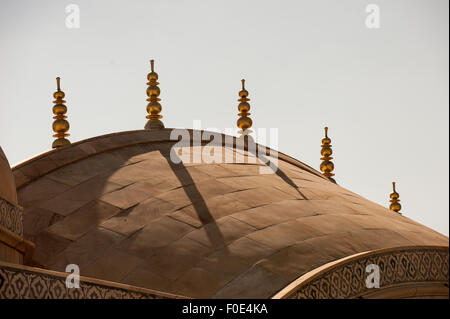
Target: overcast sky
{"type": "Point", "coordinates": [382, 91]}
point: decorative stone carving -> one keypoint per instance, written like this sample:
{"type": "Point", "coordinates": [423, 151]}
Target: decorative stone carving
{"type": "Point", "coordinates": [11, 217]}
{"type": "Point", "coordinates": [347, 280]}
{"type": "Point", "coordinates": [16, 283]}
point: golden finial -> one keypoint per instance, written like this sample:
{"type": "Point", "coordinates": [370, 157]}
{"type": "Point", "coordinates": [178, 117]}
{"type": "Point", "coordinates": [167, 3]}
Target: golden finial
{"type": "Point", "coordinates": [153, 108]}
{"type": "Point", "coordinates": [244, 122]}
{"type": "Point", "coordinates": [395, 205]}
{"type": "Point", "coordinates": [60, 125]}
{"type": "Point", "coordinates": [327, 165]}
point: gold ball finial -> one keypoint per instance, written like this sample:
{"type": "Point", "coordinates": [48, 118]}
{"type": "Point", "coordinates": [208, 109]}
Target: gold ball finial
{"type": "Point", "coordinates": [153, 107]}
{"type": "Point", "coordinates": [327, 165]}
{"type": "Point", "coordinates": [244, 122]}
{"type": "Point", "coordinates": [395, 201]}
{"type": "Point", "coordinates": [60, 125]}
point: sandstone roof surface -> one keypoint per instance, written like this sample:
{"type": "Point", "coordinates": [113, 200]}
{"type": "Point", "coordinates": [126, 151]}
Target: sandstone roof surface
{"type": "Point", "coordinates": [117, 206]}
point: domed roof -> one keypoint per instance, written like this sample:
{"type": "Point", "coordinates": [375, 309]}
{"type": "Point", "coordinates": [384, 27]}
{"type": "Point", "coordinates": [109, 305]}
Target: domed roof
{"type": "Point", "coordinates": [7, 186]}
{"type": "Point", "coordinates": [117, 206]}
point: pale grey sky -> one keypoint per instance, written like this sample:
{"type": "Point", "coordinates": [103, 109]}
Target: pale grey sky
{"type": "Point", "coordinates": [383, 92]}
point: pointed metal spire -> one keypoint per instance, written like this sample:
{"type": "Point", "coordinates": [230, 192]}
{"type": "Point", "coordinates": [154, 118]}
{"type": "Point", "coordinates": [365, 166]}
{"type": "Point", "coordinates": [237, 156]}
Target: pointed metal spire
{"type": "Point", "coordinates": [395, 201]}
{"type": "Point", "coordinates": [60, 125]}
{"type": "Point", "coordinates": [327, 165]}
{"type": "Point", "coordinates": [244, 122]}
{"type": "Point", "coordinates": [153, 107]}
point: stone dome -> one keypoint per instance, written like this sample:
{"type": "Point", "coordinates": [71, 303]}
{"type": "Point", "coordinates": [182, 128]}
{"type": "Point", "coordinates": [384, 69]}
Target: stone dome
{"type": "Point", "coordinates": [118, 207]}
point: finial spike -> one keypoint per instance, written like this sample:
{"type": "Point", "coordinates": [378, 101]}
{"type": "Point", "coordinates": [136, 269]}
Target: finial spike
{"type": "Point", "coordinates": [153, 107]}
{"type": "Point", "coordinates": [327, 165]}
{"type": "Point", "coordinates": [395, 201]}
{"type": "Point", "coordinates": [60, 125]}
{"type": "Point", "coordinates": [244, 122]}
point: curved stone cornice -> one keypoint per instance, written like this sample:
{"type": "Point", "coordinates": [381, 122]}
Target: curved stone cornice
{"type": "Point", "coordinates": [399, 267]}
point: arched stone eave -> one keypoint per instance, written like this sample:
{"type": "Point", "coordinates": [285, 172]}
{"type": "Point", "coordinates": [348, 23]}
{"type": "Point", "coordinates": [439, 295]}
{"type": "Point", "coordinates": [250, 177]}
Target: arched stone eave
{"type": "Point", "coordinates": [405, 272]}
